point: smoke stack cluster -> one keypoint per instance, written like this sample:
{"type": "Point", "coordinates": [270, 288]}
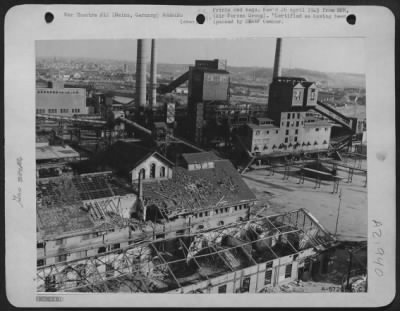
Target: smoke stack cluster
{"type": "Point", "coordinates": [141, 74]}
{"type": "Point", "coordinates": [278, 57]}
{"type": "Point", "coordinates": [153, 75]}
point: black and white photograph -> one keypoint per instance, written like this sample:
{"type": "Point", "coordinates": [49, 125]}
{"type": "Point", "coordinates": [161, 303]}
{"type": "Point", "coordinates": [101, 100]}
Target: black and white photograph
{"type": "Point", "coordinates": [200, 151]}
{"type": "Point", "coordinates": [201, 166]}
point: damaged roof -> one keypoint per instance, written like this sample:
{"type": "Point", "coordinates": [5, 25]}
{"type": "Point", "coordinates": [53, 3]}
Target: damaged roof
{"type": "Point", "coordinates": [60, 203]}
{"type": "Point", "coordinates": [61, 220]}
{"type": "Point", "coordinates": [189, 191]}
{"type": "Point", "coordinates": [62, 191]}
{"type": "Point", "coordinates": [181, 261]}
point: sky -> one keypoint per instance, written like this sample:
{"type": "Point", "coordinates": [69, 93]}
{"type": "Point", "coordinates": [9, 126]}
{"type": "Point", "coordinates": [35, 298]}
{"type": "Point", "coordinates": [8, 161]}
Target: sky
{"type": "Point", "coordinates": [321, 54]}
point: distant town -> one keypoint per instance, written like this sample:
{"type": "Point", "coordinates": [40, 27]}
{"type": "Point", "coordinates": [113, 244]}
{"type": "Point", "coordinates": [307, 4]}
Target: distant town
{"type": "Point", "coordinates": [199, 178]}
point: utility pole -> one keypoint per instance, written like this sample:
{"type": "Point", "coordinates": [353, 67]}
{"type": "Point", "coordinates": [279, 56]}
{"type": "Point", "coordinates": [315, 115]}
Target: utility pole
{"type": "Point", "coordinates": [338, 213]}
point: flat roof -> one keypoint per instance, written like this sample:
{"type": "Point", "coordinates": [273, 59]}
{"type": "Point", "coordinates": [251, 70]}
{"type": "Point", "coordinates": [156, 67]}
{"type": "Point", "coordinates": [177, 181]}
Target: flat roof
{"type": "Point", "coordinates": [262, 126]}
{"type": "Point", "coordinates": [55, 152]}
{"type": "Point", "coordinates": [200, 157]}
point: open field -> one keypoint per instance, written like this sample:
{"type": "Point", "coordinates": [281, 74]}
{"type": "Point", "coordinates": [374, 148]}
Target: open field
{"type": "Point", "coordinates": [286, 195]}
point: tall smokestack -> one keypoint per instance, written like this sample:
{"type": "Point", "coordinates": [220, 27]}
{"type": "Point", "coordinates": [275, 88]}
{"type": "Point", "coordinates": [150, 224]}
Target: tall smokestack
{"type": "Point", "coordinates": [153, 75]}
{"type": "Point", "coordinates": [141, 74]}
{"type": "Point", "coordinates": [278, 56]}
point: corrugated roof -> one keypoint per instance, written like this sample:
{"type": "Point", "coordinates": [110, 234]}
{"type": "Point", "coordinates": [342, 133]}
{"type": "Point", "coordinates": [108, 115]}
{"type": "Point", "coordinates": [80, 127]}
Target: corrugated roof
{"type": "Point", "coordinates": [55, 152]}
{"type": "Point", "coordinates": [263, 126]}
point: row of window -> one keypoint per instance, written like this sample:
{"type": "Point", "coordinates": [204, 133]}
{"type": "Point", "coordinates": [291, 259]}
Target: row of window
{"type": "Point", "coordinates": [245, 284]}
{"type": "Point", "coordinates": [283, 146]}
{"type": "Point", "coordinates": [287, 139]}
{"type": "Point", "coordinates": [57, 92]}
{"type": "Point", "coordinates": [266, 132]}
{"type": "Point", "coordinates": [81, 254]}
{"type": "Point", "coordinates": [297, 124]}
{"type": "Point", "coordinates": [317, 129]}
{"type": "Point", "coordinates": [152, 174]}
{"type": "Point", "coordinates": [53, 110]}
{"type": "Point", "coordinates": [296, 131]}
{"type": "Point", "coordinates": [216, 78]}
{"type": "Point", "coordinates": [219, 211]}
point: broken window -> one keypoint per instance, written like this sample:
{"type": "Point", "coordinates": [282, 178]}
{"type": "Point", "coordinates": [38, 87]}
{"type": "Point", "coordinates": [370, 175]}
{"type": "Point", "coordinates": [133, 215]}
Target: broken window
{"type": "Point", "coordinates": [40, 245]}
{"type": "Point", "coordinates": [222, 289]}
{"type": "Point", "coordinates": [109, 270]}
{"type": "Point", "coordinates": [41, 262]}
{"type": "Point", "coordinates": [101, 249]}
{"type": "Point", "coordinates": [245, 286]}
{"type": "Point", "coordinates": [288, 271]}
{"type": "Point", "coordinates": [115, 246]}
{"type": "Point", "coordinates": [268, 273]}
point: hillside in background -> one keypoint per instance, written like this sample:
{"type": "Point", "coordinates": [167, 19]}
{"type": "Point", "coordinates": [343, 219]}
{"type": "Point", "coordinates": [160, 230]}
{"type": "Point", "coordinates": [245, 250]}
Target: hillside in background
{"type": "Point", "coordinates": [259, 75]}
{"type": "Point", "coordinates": [255, 75]}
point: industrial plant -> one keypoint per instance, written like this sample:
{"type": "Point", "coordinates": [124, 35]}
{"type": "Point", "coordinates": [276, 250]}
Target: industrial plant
{"type": "Point", "coordinates": [146, 183]}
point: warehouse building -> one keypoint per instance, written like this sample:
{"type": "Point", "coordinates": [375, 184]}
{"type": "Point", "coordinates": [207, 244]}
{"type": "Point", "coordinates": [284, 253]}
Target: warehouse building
{"type": "Point", "coordinates": [291, 126]}
{"type": "Point", "coordinates": [61, 101]}
{"type": "Point", "coordinates": [248, 257]}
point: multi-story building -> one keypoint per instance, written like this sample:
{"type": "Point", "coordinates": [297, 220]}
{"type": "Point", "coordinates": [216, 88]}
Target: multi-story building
{"type": "Point", "coordinates": [87, 215]}
{"type": "Point", "coordinates": [246, 257]}
{"type": "Point", "coordinates": [291, 126]}
{"type": "Point", "coordinates": [53, 160]}
{"type": "Point", "coordinates": [296, 133]}
{"type": "Point", "coordinates": [61, 101]}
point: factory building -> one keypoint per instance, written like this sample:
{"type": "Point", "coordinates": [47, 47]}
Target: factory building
{"type": "Point", "coordinates": [79, 216]}
{"type": "Point", "coordinates": [54, 160]}
{"type": "Point", "coordinates": [61, 101]}
{"type": "Point", "coordinates": [297, 133]}
{"type": "Point", "coordinates": [85, 215]}
{"type": "Point", "coordinates": [246, 257]}
{"type": "Point", "coordinates": [208, 83]}
{"type": "Point", "coordinates": [291, 127]}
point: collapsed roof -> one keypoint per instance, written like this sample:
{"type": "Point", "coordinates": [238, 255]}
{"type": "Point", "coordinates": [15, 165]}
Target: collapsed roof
{"type": "Point", "coordinates": [189, 191]}
{"type": "Point", "coordinates": [61, 202]}
{"type": "Point", "coordinates": [168, 264]}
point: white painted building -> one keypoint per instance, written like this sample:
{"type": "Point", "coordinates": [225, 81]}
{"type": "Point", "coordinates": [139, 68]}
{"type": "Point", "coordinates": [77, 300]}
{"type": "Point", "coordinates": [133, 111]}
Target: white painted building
{"type": "Point", "coordinates": [61, 101]}
{"type": "Point", "coordinates": [297, 132]}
